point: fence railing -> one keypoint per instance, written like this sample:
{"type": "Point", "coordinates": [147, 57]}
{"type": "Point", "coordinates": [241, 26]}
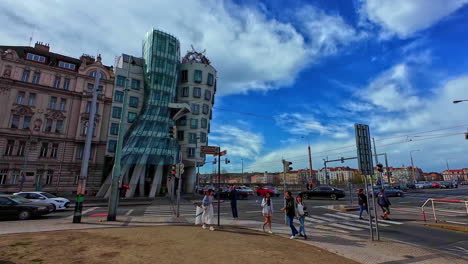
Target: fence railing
{"type": "Point", "coordinates": [433, 203]}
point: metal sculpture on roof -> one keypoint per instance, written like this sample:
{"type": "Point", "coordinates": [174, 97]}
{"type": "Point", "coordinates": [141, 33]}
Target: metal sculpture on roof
{"type": "Point", "coordinates": [195, 56]}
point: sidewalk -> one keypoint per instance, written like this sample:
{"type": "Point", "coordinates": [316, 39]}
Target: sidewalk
{"type": "Point", "coordinates": [353, 247]}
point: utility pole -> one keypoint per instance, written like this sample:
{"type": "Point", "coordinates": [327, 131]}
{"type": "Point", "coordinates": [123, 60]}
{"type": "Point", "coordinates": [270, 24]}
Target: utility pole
{"type": "Point", "coordinates": [219, 184]}
{"type": "Point", "coordinates": [327, 177]}
{"type": "Point", "coordinates": [242, 177]}
{"type": "Point", "coordinates": [81, 190]}
{"type": "Point", "coordinates": [285, 167]}
{"type": "Point", "coordinates": [374, 194]}
{"type": "Point", "coordinates": [412, 165]}
{"type": "Point", "coordinates": [116, 170]}
{"type": "Point", "coordinates": [446, 161]}
{"type": "Point", "coordinates": [387, 168]}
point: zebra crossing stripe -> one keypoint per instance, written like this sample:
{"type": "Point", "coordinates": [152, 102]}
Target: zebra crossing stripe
{"type": "Point", "coordinates": [339, 216]}
{"type": "Point", "coordinates": [390, 222]}
{"type": "Point", "coordinates": [367, 222]}
{"type": "Point", "coordinates": [355, 224]}
{"type": "Point", "coordinates": [311, 219]}
{"type": "Point", "coordinates": [348, 215]}
{"type": "Point", "coordinates": [346, 227]}
{"type": "Point", "coordinates": [324, 218]}
{"type": "Point", "coordinates": [327, 228]}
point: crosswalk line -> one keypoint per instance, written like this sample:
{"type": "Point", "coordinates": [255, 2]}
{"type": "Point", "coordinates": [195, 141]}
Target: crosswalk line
{"type": "Point", "coordinates": [311, 219]}
{"type": "Point", "coordinates": [380, 220]}
{"type": "Point", "coordinates": [324, 218]}
{"type": "Point", "coordinates": [128, 212]}
{"type": "Point", "coordinates": [346, 227]}
{"type": "Point", "coordinates": [339, 216]}
{"type": "Point", "coordinates": [354, 224]}
{"type": "Point", "coordinates": [327, 228]}
{"type": "Point", "coordinates": [367, 222]}
{"type": "Point", "coordinates": [348, 215]}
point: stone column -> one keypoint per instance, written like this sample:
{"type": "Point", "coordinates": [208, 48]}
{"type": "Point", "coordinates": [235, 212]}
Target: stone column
{"type": "Point", "coordinates": [136, 177]}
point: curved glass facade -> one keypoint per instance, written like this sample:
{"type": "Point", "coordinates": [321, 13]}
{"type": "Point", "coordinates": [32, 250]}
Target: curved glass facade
{"type": "Point", "coordinates": [148, 141]}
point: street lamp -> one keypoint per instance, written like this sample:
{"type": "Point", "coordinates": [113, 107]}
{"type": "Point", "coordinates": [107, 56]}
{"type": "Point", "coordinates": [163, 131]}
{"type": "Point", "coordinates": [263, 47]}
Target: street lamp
{"type": "Point", "coordinates": [310, 156]}
{"type": "Point", "coordinates": [412, 163]}
{"type": "Point", "coordinates": [459, 101]}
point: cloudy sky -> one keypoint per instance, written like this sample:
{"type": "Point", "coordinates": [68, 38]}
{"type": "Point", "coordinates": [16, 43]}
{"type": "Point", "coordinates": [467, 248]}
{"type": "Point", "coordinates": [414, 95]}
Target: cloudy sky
{"type": "Point", "coordinates": [309, 70]}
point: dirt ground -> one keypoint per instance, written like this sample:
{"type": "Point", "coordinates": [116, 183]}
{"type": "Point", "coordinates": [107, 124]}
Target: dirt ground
{"type": "Point", "coordinates": [163, 244]}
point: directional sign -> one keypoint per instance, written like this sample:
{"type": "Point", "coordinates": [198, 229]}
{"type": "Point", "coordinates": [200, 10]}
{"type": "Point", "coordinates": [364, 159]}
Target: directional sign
{"type": "Point", "coordinates": [209, 150]}
{"type": "Point", "coordinates": [364, 151]}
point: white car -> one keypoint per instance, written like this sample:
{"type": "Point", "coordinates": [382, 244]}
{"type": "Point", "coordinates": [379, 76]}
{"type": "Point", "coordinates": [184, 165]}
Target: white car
{"type": "Point", "coordinates": [58, 203]}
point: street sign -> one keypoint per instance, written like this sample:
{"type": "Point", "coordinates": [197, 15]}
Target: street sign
{"type": "Point", "coordinates": [209, 150]}
{"type": "Point", "coordinates": [364, 151]}
{"type": "Point", "coordinates": [222, 153]}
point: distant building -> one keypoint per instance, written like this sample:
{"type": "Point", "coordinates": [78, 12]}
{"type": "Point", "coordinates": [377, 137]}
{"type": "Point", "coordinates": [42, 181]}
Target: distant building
{"type": "Point", "coordinates": [406, 174]}
{"type": "Point", "coordinates": [432, 176]}
{"type": "Point", "coordinates": [455, 175]}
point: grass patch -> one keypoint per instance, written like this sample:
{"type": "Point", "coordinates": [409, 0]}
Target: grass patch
{"type": "Point", "coordinates": [21, 244]}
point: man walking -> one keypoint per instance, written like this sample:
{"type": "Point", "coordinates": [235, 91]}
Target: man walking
{"type": "Point", "coordinates": [384, 203]}
{"type": "Point", "coordinates": [233, 197]}
{"type": "Point", "coordinates": [290, 211]}
{"type": "Point", "coordinates": [362, 201]}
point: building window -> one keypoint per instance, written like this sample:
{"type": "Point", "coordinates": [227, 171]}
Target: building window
{"type": "Point", "coordinates": [26, 122]}
{"type": "Point", "coordinates": [53, 153]}
{"type": "Point", "coordinates": [67, 65]}
{"type": "Point", "coordinates": [88, 107]}
{"type": "Point", "coordinates": [135, 84]}
{"type": "Point", "coordinates": [90, 87]}
{"type": "Point", "coordinates": [206, 109]}
{"type": "Point", "coordinates": [194, 123]}
{"type": "Point", "coordinates": [63, 104]}
{"type": "Point", "coordinates": [9, 147]}
{"type": "Point", "coordinates": [32, 99]}
{"type": "Point", "coordinates": [118, 96]}
{"type": "Point", "coordinates": [184, 76]}
{"type": "Point", "coordinates": [57, 82]}
{"type": "Point", "coordinates": [20, 97]}
{"type": "Point", "coordinates": [192, 138]}
{"type": "Point", "coordinates": [210, 79]}
{"type": "Point", "coordinates": [3, 176]}
{"type": "Point", "coordinates": [66, 83]}
{"type": "Point", "coordinates": [21, 147]}
{"type": "Point", "coordinates": [195, 109]}
{"type": "Point", "coordinates": [59, 126]}
{"type": "Point", "coordinates": [25, 76]}
{"type": "Point", "coordinates": [191, 152]}
{"type": "Point", "coordinates": [120, 81]}
{"type": "Point", "coordinates": [185, 91]}
{"type": "Point", "coordinates": [131, 117]}
{"type": "Point", "coordinates": [49, 177]}
{"type": "Point", "coordinates": [93, 74]}
{"type": "Point", "coordinates": [44, 150]}
{"type": "Point", "coordinates": [171, 48]}
{"type": "Point", "coordinates": [133, 102]}
{"type": "Point", "coordinates": [202, 137]}
{"type": "Point", "coordinates": [114, 129]}
{"type": "Point", "coordinates": [182, 121]}
{"type": "Point", "coordinates": [207, 95]}
{"type": "Point", "coordinates": [14, 177]}
{"type": "Point", "coordinates": [79, 152]}
{"type": "Point", "coordinates": [15, 121]}
{"type": "Point", "coordinates": [116, 112]}
{"type": "Point", "coordinates": [197, 92]}
{"type": "Point", "coordinates": [180, 135]}
{"type": "Point", "coordinates": [197, 77]}
{"type": "Point", "coordinates": [204, 123]}
{"type": "Point", "coordinates": [112, 146]}
{"type": "Point", "coordinates": [34, 57]}
{"type": "Point", "coordinates": [48, 127]}
{"type": "Point", "coordinates": [36, 77]}
{"type": "Point", "coordinates": [52, 102]}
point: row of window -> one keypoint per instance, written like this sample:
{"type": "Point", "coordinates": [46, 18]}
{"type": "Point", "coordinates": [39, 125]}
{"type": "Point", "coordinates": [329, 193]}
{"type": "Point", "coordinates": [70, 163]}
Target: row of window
{"type": "Point", "coordinates": [196, 109]}
{"type": "Point", "coordinates": [121, 80]}
{"type": "Point", "coordinates": [31, 101]}
{"type": "Point", "coordinates": [15, 177]}
{"type": "Point", "coordinates": [193, 122]}
{"type": "Point", "coordinates": [192, 137]}
{"type": "Point", "coordinates": [196, 93]}
{"type": "Point", "coordinates": [24, 122]}
{"type": "Point", "coordinates": [132, 101]}
{"type": "Point", "coordinates": [117, 113]}
{"type": "Point", "coordinates": [197, 77]}
{"type": "Point", "coordinates": [36, 77]}
{"type": "Point", "coordinates": [42, 59]}
{"type": "Point", "coordinates": [48, 150]}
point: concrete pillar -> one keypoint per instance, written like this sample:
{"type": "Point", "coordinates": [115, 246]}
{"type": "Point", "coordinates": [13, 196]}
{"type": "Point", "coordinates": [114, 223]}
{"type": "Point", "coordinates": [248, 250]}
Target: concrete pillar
{"type": "Point", "coordinates": [136, 176]}
{"type": "Point", "coordinates": [156, 184]}
{"type": "Point", "coordinates": [189, 178]}
{"type": "Point", "coordinates": [105, 186]}
{"type": "Point", "coordinates": [141, 184]}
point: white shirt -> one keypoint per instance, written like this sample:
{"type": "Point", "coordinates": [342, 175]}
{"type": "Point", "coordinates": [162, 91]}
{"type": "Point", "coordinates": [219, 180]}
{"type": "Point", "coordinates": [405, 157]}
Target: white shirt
{"type": "Point", "coordinates": [265, 208]}
{"type": "Point", "coordinates": [299, 209]}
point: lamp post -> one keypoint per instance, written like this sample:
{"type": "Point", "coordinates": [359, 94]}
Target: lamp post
{"type": "Point", "coordinates": [310, 158]}
{"type": "Point", "coordinates": [412, 163]}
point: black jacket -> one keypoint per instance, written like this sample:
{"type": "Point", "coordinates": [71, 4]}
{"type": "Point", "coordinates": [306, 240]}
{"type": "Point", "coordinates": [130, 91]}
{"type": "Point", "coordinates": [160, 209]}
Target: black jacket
{"type": "Point", "coordinates": [290, 207]}
{"type": "Point", "coordinates": [362, 199]}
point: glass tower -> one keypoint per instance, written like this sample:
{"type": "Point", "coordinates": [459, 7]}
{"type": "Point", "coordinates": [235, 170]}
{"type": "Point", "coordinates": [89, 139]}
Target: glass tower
{"type": "Point", "coordinates": [148, 142]}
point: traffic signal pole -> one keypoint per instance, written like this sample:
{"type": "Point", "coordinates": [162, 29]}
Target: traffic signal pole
{"type": "Point", "coordinates": [219, 185]}
{"type": "Point", "coordinates": [374, 194]}
{"type": "Point", "coordinates": [86, 153]}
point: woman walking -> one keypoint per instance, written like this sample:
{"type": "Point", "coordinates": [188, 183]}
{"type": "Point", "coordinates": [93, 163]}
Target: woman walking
{"type": "Point", "coordinates": [300, 213]}
{"type": "Point", "coordinates": [208, 212]}
{"type": "Point", "coordinates": [267, 211]}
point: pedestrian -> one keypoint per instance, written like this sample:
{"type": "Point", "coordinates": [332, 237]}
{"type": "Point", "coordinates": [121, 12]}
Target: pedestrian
{"type": "Point", "coordinates": [290, 213]}
{"type": "Point", "coordinates": [267, 211]}
{"type": "Point", "coordinates": [384, 203]}
{"type": "Point", "coordinates": [233, 195]}
{"type": "Point", "coordinates": [208, 211]}
{"type": "Point", "coordinates": [300, 213]}
{"type": "Point", "coordinates": [362, 201]}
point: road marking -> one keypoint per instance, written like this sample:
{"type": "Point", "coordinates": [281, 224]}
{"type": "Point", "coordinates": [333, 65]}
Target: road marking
{"type": "Point", "coordinates": [355, 224]}
{"type": "Point", "coordinates": [310, 219]}
{"type": "Point", "coordinates": [346, 227]}
{"type": "Point", "coordinates": [327, 228]}
{"type": "Point", "coordinates": [455, 222]}
{"type": "Point", "coordinates": [390, 222]}
{"type": "Point", "coordinates": [348, 215]}
{"type": "Point", "coordinates": [85, 211]}
{"type": "Point", "coordinates": [324, 218]}
{"type": "Point", "coordinates": [251, 212]}
{"type": "Point", "coordinates": [339, 216]}
{"type": "Point", "coordinates": [367, 222]}
{"type": "Point", "coordinates": [129, 212]}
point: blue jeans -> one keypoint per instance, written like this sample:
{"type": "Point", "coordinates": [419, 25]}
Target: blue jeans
{"type": "Point", "coordinates": [291, 225]}
{"type": "Point", "coordinates": [302, 227]}
{"type": "Point", "coordinates": [362, 208]}
{"type": "Point", "coordinates": [234, 208]}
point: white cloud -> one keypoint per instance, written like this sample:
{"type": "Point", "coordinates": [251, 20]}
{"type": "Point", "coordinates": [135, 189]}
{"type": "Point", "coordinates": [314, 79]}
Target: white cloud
{"type": "Point", "coordinates": [405, 18]}
{"type": "Point", "coordinates": [238, 142]}
{"type": "Point", "coordinates": [305, 124]}
{"type": "Point", "coordinates": [250, 50]}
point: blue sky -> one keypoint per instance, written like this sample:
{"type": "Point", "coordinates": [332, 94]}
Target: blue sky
{"type": "Point", "coordinates": [308, 69]}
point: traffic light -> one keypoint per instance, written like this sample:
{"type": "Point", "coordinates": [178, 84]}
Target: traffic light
{"type": "Point", "coordinates": [173, 170]}
{"type": "Point", "coordinates": [286, 166]}
{"type": "Point", "coordinates": [466, 135]}
{"type": "Point", "coordinates": [227, 161]}
{"type": "Point", "coordinates": [380, 167]}
{"type": "Point", "coordinates": [342, 160]}
{"type": "Point", "coordinates": [173, 131]}
{"type": "Point", "coordinates": [179, 170]}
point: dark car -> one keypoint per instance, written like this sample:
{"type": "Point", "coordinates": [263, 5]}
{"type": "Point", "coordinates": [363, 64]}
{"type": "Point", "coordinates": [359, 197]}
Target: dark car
{"type": "Point", "coordinates": [322, 192]}
{"type": "Point", "coordinates": [224, 192]}
{"type": "Point", "coordinates": [411, 185]}
{"type": "Point", "coordinates": [21, 208]}
{"type": "Point", "coordinates": [389, 191]}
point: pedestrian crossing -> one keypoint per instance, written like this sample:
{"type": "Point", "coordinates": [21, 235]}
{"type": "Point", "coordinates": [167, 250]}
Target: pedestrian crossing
{"type": "Point", "coordinates": [186, 210]}
{"type": "Point", "coordinates": [343, 222]}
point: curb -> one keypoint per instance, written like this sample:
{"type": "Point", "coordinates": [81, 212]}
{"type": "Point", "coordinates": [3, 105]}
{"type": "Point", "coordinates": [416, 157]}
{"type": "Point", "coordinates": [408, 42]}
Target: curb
{"type": "Point", "coordinates": [458, 228]}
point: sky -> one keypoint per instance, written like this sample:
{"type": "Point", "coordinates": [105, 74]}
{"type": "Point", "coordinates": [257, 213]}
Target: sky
{"type": "Point", "coordinates": [308, 70]}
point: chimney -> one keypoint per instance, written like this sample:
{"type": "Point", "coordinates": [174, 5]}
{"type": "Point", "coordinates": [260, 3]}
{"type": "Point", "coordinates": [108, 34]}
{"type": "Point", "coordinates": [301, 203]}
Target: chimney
{"type": "Point", "coordinates": [42, 46]}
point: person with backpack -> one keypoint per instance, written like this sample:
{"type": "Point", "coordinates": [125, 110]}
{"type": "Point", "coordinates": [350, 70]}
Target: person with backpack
{"type": "Point", "coordinates": [362, 201]}
{"type": "Point", "coordinates": [384, 203]}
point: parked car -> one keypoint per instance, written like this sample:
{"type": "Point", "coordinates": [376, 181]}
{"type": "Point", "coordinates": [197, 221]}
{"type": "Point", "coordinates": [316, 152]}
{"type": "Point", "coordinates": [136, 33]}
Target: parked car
{"type": "Point", "coordinates": [464, 183]}
{"type": "Point", "coordinates": [411, 186]}
{"type": "Point", "coordinates": [455, 184]}
{"type": "Point", "coordinates": [323, 192]}
{"type": "Point", "coordinates": [435, 185]}
{"type": "Point", "coordinates": [389, 191]}
{"type": "Point", "coordinates": [58, 203]}
{"type": "Point", "coordinates": [261, 191]}
{"type": "Point", "coordinates": [447, 185]}
{"type": "Point", "coordinates": [21, 208]}
{"type": "Point", "coordinates": [419, 185]}
{"type": "Point", "coordinates": [224, 192]}
{"type": "Point", "coordinates": [244, 192]}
